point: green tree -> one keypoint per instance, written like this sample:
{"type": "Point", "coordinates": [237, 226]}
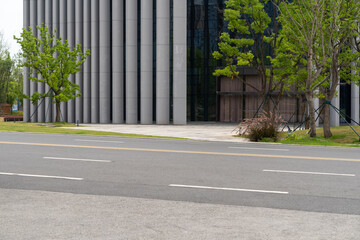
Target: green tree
{"type": "Point", "coordinates": [319, 35]}
{"type": "Point", "coordinates": [6, 65]}
{"type": "Point", "coordinates": [16, 81]}
{"type": "Point", "coordinates": [343, 17]}
{"type": "Point", "coordinates": [252, 41]}
{"type": "Point", "coordinates": [54, 61]}
{"type": "Point", "coordinates": [303, 31]}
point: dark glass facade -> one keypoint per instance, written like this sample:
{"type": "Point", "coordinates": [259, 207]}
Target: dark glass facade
{"type": "Point", "coordinates": [204, 26]}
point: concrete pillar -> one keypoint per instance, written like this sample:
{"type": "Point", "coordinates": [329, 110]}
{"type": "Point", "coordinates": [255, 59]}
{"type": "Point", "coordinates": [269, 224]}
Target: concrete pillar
{"type": "Point", "coordinates": [131, 62]}
{"type": "Point", "coordinates": [179, 62]}
{"type": "Point", "coordinates": [146, 62]}
{"type": "Point", "coordinates": [355, 103]}
{"type": "Point", "coordinates": [162, 61]}
{"type": "Point", "coordinates": [48, 22]}
{"type": "Point", "coordinates": [87, 64]}
{"type": "Point", "coordinates": [55, 25]}
{"type": "Point", "coordinates": [118, 61]}
{"type": "Point", "coordinates": [334, 116]}
{"type": "Point", "coordinates": [41, 86]}
{"type": "Point", "coordinates": [63, 35]}
{"type": "Point", "coordinates": [79, 8]}
{"type": "Point", "coordinates": [316, 107]}
{"type": "Point", "coordinates": [94, 61]}
{"type": "Point", "coordinates": [71, 40]}
{"type": "Point", "coordinates": [105, 61]}
{"type": "Point", "coordinates": [33, 85]}
{"type": "Point", "coordinates": [26, 81]}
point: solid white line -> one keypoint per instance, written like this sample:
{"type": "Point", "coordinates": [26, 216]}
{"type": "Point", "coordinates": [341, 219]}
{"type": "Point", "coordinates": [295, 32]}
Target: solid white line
{"type": "Point", "coordinates": [76, 159]}
{"type": "Point", "coordinates": [266, 149]}
{"type": "Point", "coordinates": [314, 173]}
{"type": "Point", "coordinates": [227, 189]}
{"type": "Point", "coordinates": [85, 140]}
{"type": "Point", "coordinates": [40, 176]}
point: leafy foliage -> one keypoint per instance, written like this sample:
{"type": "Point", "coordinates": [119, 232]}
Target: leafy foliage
{"type": "Point", "coordinates": [54, 61]}
{"type": "Point", "coordinates": [318, 48]}
{"type": "Point", "coordinates": [252, 39]}
{"type": "Point", "coordinates": [11, 83]}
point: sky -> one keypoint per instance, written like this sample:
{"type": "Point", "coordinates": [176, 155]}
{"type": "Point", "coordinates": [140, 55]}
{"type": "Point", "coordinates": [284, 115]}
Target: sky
{"type": "Point", "coordinates": [11, 22]}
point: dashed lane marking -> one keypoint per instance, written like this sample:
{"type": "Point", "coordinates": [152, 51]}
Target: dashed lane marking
{"type": "Point", "coordinates": [227, 189]}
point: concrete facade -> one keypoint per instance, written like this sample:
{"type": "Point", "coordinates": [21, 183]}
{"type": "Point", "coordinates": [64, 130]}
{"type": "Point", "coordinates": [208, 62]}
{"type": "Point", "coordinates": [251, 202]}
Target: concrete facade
{"type": "Point", "coordinates": [117, 81]}
{"type": "Point", "coordinates": [140, 51]}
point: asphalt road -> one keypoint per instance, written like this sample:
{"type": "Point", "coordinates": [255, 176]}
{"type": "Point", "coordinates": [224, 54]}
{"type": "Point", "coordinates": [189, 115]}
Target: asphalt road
{"type": "Point", "coordinates": [302, 178]}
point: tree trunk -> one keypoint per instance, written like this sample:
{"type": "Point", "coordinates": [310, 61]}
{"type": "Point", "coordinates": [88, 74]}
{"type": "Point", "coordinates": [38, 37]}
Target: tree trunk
{"type": "Point", "coordinates": [310, 100]}
{"type": "Point", "coordinates": [334, 81]}
{"type": "Point", "coordinates": [57, 112]}
{"type": "Point", "coordinates": [267, 103]}
{"type": "Point", "coordinates": [326, 128]}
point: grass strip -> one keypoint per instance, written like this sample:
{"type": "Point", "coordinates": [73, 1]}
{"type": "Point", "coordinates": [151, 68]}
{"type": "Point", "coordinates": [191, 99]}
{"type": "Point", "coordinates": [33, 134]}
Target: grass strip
{"type": "Point", "coordinates": [342, 137]}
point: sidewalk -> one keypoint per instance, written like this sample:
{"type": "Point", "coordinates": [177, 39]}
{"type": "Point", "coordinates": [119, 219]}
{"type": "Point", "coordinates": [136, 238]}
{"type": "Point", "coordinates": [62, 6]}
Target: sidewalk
{"type": "Point", "coordinates": [197, 131]}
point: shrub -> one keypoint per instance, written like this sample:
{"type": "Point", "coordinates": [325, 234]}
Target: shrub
{"type": "Point", "coordinates": [266, 125]}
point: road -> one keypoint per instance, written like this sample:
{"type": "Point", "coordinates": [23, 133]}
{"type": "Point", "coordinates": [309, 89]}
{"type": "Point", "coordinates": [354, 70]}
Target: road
{"type": "Point", "coordinates": [300, 179]}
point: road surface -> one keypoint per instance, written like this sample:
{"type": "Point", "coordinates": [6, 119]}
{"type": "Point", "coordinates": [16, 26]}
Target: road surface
{"type": "Point", "coordinates": [291, 186]}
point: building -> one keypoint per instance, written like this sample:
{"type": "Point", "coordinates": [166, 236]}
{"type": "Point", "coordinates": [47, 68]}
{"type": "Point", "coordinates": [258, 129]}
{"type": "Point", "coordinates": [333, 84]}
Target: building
{"type": "Point", "coordinates": [151, 61]}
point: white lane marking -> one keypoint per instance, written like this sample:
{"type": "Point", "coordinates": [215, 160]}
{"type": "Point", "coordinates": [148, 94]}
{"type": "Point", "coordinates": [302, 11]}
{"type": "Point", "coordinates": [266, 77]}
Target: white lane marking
{"type": "Point", "coordinates": [77, 159]}
{"type": "Point", "coordinates": [314, 173]}
{"type": "Point", "coordinates": [227, 189]}
{"type": "Point", "coordinates": [85, 140]}
{"type": "Point", "coordinates": [40, 176]}
{"type": "Point", "coordinates": [265, 149]}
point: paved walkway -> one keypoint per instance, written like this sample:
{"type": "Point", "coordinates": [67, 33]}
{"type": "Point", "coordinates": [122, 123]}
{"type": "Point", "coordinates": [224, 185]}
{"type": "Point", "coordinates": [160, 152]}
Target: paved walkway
{"type": "Point", "coordinates": [198, 131]}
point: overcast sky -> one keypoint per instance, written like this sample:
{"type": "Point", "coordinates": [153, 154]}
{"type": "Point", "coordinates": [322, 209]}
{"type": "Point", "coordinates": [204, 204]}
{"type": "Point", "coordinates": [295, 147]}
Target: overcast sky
{"type": "Point", "coordinates": [11, 21]}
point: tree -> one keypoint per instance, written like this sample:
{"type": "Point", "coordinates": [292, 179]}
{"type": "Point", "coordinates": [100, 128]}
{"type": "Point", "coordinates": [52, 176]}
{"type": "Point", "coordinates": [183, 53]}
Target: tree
{"type": "Point", "coordinates": [320, 34]}
{"type": "Point", "coordinates": [303, 28]}
{"type": "Point", "coordinates": [53, 60]}
{"type": "Point", "coordinates": [16, 81]}
{"type": "Point", "coordinates": [6, 65]}
{"type": "Point", "coordinates": [343, 16]}
{"type": "Point", "coordinates": [5, 70]}
{"type": "Point", "coordinates": [252, 41]}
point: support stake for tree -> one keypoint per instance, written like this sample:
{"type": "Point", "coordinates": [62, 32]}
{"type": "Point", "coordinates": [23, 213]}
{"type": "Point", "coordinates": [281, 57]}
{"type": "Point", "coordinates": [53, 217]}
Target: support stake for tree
{"type": "Point", "coordinates": [344, 118]}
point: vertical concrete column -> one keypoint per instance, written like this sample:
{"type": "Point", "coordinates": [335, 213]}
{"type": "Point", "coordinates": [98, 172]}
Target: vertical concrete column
{"type": "Point", "coordinates": [87, 64]}
{"type": "Point", "coordinates": [146, 85]}
{"type": "Point", "coordinates": [334, 116]}
{"type": "Point", "coordinates": [316, 106]}
{"type": "Point", "coordinates": [94, 61]}
{"type": "Point", "coordinates": [105, 61]}
{"type": "Point", "coordinates": [55, 25]}
{"type": "Point", "coordinates": [26, 80]}
{"type": "Point", "coordinates": [48, 22]}
{"type": "Point", "coordinates": [71, 40]}
{"type": "Point", "coordinates": [41, 86]}
{"type": "Point", "coordinates": [179, 62]}
{"type": "Point", "coordinates": [63, 35]}
{"type": "Point", "coordinates": [118, 61]}
{"type": "Point", "coordinates": [355, 103]}
{"type": "Point", "coordinates": [131, 61]}
{"type": "Point", "coordinates": [79, 8]}
{"type": "Point", "coordinates": [33, 85]}
{"type": "Point", "coordinates": [162, 61]}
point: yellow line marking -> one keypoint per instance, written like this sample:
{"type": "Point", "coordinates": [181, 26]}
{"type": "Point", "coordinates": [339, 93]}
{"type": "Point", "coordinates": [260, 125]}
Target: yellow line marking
{"type": "Point", "coordinates": [183, 151]}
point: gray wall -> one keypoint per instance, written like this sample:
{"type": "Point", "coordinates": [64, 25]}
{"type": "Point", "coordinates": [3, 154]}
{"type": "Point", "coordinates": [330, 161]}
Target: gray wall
{"type": "Point", "coordinates": [117, 79]}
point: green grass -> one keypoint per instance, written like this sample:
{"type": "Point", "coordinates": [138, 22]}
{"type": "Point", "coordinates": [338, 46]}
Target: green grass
{"type": "Point", "coordinates": [342, 137]}
{"type": "Point", "coordinates": [59, 129]}
{"type": "Point", "coordinates": [17, 113]}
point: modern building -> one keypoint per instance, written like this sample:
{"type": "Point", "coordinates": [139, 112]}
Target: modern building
{"type": "Point", "coordinates": [151, 62]}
